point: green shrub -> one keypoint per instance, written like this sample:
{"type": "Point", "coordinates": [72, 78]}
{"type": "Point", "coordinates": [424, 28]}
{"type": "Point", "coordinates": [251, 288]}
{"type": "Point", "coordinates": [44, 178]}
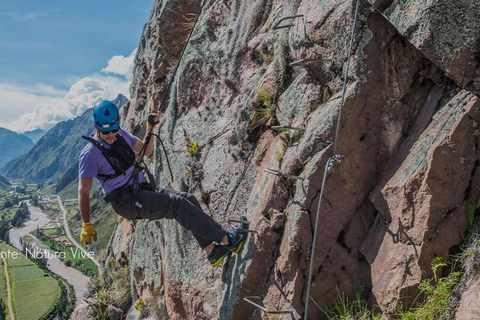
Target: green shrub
{"type": "Point", "coordinates": [111, 288]}
{"type": "Point", "coordinates": [263, 110]}
{"type": "Point", "coordinates": [281, 153]}
{"type": "Point", "coordinates": [438, 292]}
{"type": "Point", "coordinates": [192, 148]}
{"type": "Point", "coordinates": [436, 303]}
{"type": "Point", "coordinates": [155, 307]}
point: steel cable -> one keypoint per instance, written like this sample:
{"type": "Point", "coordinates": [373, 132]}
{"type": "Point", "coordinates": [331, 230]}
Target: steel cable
{"type": "Point", "coordinates": [331, 163]}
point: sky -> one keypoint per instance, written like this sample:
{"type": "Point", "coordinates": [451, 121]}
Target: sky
{"type": "Point", "coordinates": [60, 57]}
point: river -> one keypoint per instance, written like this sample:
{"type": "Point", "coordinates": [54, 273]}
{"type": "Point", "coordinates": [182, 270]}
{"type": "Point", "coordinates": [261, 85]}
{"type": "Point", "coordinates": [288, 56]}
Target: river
{"type": "Point", "coordinates": [38, 219]}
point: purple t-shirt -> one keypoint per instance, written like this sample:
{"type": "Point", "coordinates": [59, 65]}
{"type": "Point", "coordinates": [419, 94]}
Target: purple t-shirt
{"type": "Point", "coordinates": [91, 162]}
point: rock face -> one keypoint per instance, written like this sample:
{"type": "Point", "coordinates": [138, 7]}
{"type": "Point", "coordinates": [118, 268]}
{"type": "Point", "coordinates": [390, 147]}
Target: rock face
{"type": "Point", "coordinates": [469, 309]}
{"type": "Point", "coordinates": [408, 136]}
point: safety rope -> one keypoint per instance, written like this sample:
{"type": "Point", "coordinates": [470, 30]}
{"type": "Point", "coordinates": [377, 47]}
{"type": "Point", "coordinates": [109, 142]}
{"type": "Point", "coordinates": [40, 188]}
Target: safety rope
{"type": "Point", "coordinates": [331, 163]}
{"type": "Point", "coordinates": [164, 151]}
{"type": "Point", "coordinates": [181, 55]}
{"type": "Point", "coordinates": [150, 119]}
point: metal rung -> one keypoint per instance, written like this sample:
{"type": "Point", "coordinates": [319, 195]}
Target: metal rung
{"type": "Point", "coordinates": [307, 61]}
{"type": "Point", "coordinates": [286, 175]}
{"type": "Point", "coordinates": [248, 299]}
{"type": "Point", "coordinates": [277, 25]}
{"type": "Point", "coordinates": [231, 221]}
{"type": "Point", "coordinates": [248, 230]}
{"type": "Point", "coordinates": [238, 221]}
{"type": "Point", "coordinates": [281, 128]}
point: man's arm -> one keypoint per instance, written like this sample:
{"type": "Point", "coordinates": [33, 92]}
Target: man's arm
{"type": "Point", "coordinates": [84, 187]}
{"type": "Point", "coordinates": [139, 145]}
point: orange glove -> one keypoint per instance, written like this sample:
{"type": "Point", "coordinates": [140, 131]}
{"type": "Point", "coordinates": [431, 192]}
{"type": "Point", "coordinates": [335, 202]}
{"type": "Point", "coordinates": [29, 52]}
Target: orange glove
{"type": "Point", "coordinates": [87, 232]}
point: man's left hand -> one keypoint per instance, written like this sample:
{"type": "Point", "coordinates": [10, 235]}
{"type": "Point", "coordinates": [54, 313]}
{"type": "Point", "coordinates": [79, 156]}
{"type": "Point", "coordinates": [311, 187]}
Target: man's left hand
{"type": "Point", "coordinates": [154, 120]}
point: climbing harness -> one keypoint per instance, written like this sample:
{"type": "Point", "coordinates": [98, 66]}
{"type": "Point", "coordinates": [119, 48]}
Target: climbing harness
{"type": "Point", "coordinates": [331, 163]}
{"type": "Point", "coordinates": [120, 156]}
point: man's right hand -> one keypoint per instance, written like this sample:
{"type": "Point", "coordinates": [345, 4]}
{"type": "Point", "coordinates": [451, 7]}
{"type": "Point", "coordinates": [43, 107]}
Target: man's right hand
{"type": "Point", "coordinates": [87, 232]}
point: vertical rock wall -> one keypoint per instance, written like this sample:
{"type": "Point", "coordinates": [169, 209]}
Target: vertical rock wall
{"type": "Point", "coordinates": [408, 137]}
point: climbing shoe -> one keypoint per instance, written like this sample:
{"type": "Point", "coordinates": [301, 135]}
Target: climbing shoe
{"type": "Point", "coordinates": [237, 236]}
{"type": "Point", "coordinates": [217, 255]}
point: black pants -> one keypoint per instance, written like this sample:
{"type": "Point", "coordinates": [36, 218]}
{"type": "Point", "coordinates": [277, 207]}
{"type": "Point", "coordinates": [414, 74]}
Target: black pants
{"type": "Point", "coordinates": [169, 204]}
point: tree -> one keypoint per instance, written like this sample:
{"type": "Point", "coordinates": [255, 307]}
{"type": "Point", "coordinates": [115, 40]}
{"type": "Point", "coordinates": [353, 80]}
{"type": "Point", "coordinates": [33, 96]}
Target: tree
{"type": "Point", "coordinates": [4, 227]}
{"type": "Point", "coordinates": [2, 310]}
{"type": "Point", "coordinates": [34, 200]}
{"type": "Point", "coordinates": [8, 204]}
{"type": "Point", "coordinates": [21, 215]}
{"type": "Point", "coordinates": [21, 190]}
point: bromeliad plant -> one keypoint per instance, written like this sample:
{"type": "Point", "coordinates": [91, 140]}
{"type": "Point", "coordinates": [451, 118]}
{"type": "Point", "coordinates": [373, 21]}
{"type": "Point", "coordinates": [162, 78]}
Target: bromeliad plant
{"type": "Point", "coordinates": [263, 110]}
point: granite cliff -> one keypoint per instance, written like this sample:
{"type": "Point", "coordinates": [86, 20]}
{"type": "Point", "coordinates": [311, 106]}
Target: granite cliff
{"type": "Point", "coordinates": [408, 136]}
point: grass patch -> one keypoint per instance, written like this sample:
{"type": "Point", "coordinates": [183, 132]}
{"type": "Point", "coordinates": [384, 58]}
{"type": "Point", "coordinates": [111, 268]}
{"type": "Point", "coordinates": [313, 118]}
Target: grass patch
{"type": "Point", "coordinates": [21, 260]}
{"type": "Point", "coordinates": [48, 244]}
{"type": "Point", "coordinates": [33, 294]}
{"type": "Point", "coordinates": [27, 238]}
{"type": "Point", "coordinates": [343, 309]}
{"type": "Point", "coordinates": [26, 272]}
{"type": "Point", "coordinates": [52, 231]}
{"type": "Point", "coordinates": [34, 298]}
{"type": "Point", "coordinates": [75, 260]}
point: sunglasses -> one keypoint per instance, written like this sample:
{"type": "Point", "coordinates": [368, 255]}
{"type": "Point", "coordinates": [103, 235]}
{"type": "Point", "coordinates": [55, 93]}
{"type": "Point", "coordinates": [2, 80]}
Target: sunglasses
{"type": "Point", "coordinates": [107, 132]}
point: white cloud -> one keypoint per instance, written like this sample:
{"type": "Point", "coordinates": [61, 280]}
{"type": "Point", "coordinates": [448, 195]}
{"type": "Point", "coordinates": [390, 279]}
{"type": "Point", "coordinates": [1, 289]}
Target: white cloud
{"type": "Point", "coordinates": [121, 65]}
{"type": "Point", "coordinates": [41, 106]}
{"type": "Point", "coordinates": [38, 90]}
{"type": "Point", "coordinates": [16, 100]}
{"type": "Point", "coordinates": [31, 15]}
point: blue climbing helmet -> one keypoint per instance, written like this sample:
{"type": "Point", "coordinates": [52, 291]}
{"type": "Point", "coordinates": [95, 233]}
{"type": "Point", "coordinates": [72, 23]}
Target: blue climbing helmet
{"type": "Point", "coordinates": [105, 116]}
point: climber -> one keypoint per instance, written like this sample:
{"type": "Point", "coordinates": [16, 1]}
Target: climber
{"type": "Point", "coordinates": [110, 158]}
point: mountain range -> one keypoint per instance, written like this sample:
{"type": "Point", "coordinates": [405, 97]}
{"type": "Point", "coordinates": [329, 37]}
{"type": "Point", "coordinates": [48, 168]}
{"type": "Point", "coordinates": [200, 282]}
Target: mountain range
{"type": "Point", "coordinates": [4, 183]}
{"type": "Point", "coordinates": [55, 155]}
{"type": "Point", "coordinates": [35, 135]}
{"type": "Point", "coordinates": [13, 145]}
